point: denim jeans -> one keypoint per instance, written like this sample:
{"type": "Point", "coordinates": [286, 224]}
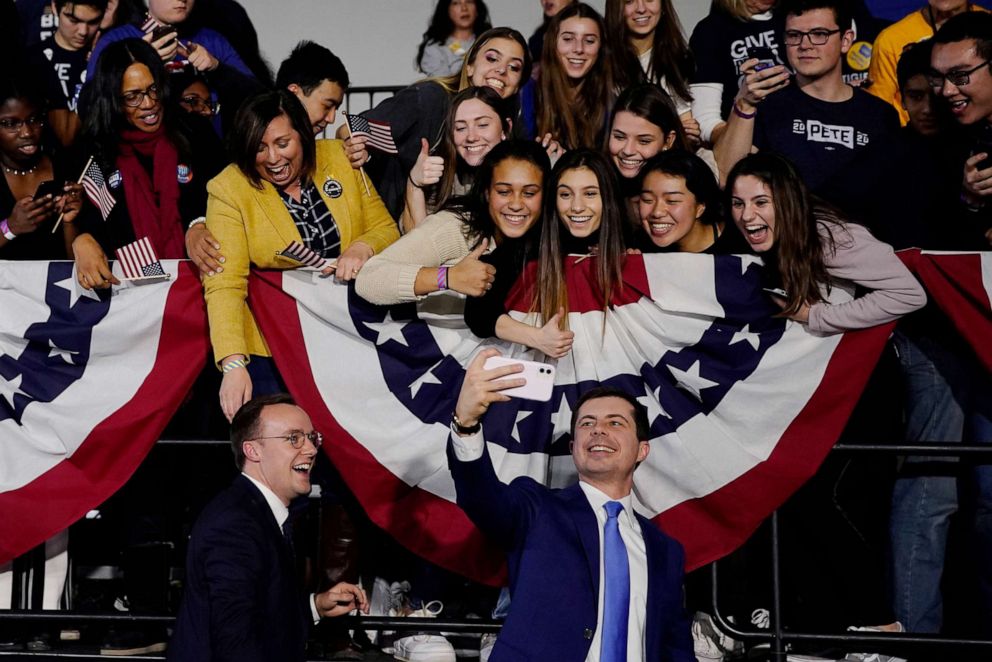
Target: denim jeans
{"type": "Point", "coordinates": [942, 401]}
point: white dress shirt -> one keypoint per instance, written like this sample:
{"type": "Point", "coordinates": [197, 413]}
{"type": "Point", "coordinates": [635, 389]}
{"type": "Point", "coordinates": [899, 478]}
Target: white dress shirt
{"type": "Point", "coordinates": [471, 447]}
{"type": "Point", "coordinates": [281, 512]}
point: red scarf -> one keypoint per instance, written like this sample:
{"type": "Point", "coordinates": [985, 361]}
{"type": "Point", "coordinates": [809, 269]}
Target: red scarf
{"type": "Point", "coordinates": [153, 199]}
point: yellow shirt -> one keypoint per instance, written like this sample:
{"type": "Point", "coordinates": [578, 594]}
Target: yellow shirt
{"type": "Point", "coordinates": [885, 55]}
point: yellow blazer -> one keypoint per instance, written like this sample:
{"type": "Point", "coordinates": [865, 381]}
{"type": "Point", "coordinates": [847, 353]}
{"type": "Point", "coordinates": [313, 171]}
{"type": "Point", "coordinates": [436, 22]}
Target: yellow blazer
{"type": "Point", "coordinates": [252, 224]}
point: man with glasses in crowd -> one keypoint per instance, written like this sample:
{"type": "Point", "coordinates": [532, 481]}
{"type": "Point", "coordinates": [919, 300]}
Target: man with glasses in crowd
{"type": "Point", "coordinates": [242, 598]}
{"type": "Point", "coordinates": [835, 134]}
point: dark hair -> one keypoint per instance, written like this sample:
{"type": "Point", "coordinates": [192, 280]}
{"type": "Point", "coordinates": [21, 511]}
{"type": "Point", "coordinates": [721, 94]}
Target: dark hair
{"type": "Point", "coordinates": [473, 209]}
{"type": "Point", "coordinates": [670, 55]}
{"type": "Point", "coordinates": [914, 61]}
{"type": "Point", "coordinates": [459, 81]}
{"type": "Point", "coordinates": [453, 162]}
{"type": "Point", "coordinates": [253, 119]}
{"type": "Point", "coordinates": [441, 27]}
{"type": "Point", "coordinates": [551, 292]}
{"type": "Point", "coordinates": [17, 85]}
{"type": "Point", "coordinates": [308, 65]}
{"type": "Point", "coordinates": [641, 424]}
{"type": "Point", "coordinates": [798, 250]}
{"type": "Point", "coordinates": [99, 5]}
{"type": "Point", "coordinates": [970, 25]}
{"type": "Point", "coordinates": [650, 102]}
{"type": "Point", "coordinates": [575, 117]}
{"type": "Point", "coordinates": [841, 8]}
{"type": "Point", "coordinates": [102, 108]}
{"type": "Point", "coordinates": [698, 178]}
{"type": "Point", "coordinates": [247, 420]}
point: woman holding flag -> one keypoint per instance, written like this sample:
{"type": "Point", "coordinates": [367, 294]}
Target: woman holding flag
{"type": "Point", "coordinates": [286, 201]}
{"type": "Point", "coordinates": [145, 178]}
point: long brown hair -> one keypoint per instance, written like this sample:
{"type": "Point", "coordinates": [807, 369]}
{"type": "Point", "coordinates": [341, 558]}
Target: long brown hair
{"type": "Point", "coordinates": [459, 81]}
{"type": "Point", "coordinates": [574, 114]}
{"type": "Point", "coordinates": [802, 225]}
{"type": "Point", "coordinates": [670, 55]}
{"type": "Point", "coordinates": [551, 293]}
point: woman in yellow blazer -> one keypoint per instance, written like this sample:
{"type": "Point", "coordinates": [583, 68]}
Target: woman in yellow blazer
{"type": "Point", "coordinates": [282, 187]}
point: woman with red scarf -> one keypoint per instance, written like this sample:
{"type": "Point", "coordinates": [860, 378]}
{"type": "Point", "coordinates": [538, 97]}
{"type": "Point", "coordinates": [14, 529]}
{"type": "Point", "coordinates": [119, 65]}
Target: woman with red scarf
{"type": "Point", "coordinates": [145, 149]}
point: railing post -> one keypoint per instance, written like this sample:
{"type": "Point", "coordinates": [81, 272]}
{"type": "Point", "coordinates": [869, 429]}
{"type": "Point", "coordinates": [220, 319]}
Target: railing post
{"type": "Point", "coordinates": [778, 651]}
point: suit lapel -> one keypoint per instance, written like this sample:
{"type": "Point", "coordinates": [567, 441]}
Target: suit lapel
{"type": "Point", "coordinates": [274, 212]}
{"type": "Point", "coordinates": [259, 503]}
{"type": "Point", "coordinates": [655, 552]}
{"type": "Point", "coordinates": [586, 527]}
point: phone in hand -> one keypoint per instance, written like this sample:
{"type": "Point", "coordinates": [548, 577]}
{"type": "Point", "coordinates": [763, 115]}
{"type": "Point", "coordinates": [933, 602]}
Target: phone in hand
{"type": "Point", "coordinates": [161, 30]}
{"type": "Point", "coordinates": [777, 291]}
{"type": "Point", "coordinates": [765, 56]}
{"type": "Point", "coordinates": [540, 378]}
{"type": "Point", "coordinates": [48, 187]}
{"type": "Point", "coordinates": [984, 145]}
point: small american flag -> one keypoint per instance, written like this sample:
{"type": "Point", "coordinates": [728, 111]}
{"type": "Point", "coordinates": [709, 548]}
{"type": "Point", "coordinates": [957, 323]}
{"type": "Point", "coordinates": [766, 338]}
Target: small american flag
{"type": "Point", "coordinates": [303, 255]}
{"type": "Point", "coordinates": [96, 189]}
{"type": "Point", "coordinates": [138, 260]}
{"type": "Point", "coordinates": [378, 134]}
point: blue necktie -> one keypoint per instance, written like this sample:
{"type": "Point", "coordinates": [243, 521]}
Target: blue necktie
{"type": "Point", "coordinates": [616, 588]}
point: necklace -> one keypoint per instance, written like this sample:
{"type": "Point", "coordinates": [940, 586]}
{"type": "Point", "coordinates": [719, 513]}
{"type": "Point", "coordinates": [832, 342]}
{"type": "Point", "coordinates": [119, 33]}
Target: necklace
{"type": "Point", "coordinates": [20, 173]}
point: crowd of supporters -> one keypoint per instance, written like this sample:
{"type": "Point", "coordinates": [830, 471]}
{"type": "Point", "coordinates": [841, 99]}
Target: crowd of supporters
{"type": "Point", "coordinates": [776, 129]}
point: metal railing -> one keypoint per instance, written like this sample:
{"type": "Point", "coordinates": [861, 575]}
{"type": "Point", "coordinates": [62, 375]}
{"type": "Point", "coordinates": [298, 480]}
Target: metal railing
{"type": "Point", "coordinates": [778, 637]}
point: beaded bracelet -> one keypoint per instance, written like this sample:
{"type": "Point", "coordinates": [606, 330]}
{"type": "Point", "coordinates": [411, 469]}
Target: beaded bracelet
{"type": "Point", "coordinates": [196, 221]}
{"type": "Point", "coordinates": [5, 229]}
{"type": "Point", "coordinates": [741, 114]}
{"type": "Point", "coordinates": [442, 278]}
{"type": "Point", "coordinates": [233, 365]}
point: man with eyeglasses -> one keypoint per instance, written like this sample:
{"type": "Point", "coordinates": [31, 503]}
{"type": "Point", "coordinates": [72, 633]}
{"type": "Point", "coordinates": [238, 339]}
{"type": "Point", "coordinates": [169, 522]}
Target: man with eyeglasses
{"type": "Point", "coordinates": [960, 74]}
{"type": "Point", "coordinates": [835, 134]}
{"type": "Point", "coordinates": [242, 599]}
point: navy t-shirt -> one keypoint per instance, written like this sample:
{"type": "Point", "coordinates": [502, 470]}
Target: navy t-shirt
{"type": "Point", "coordinates": [61, 71]}
{"type": "Point", "coordinates": [720, 42]}
{"type": "Point", "coordinates": [834, 145]}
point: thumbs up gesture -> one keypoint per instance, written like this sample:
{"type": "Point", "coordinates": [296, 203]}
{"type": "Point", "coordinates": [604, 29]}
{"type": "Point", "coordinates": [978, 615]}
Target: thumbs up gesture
{"type": "Point", "coordinates": [552, 339]}
{"type": "Point", "coordinates": [471, 276]}
{"type": "Point", "coordinates": [428, 169]}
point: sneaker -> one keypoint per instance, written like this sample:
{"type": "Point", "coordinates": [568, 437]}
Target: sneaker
{"type": "Point", "coordinates": [386, 600]}
{"type": "Point", "coordinates": [874, 657]}
{"type": "Point", "coordinates": [703, 645]}
{"type": "Point", "coordinates": [424, 648]}
{"type": "Point", "coordinates": [486, 646]}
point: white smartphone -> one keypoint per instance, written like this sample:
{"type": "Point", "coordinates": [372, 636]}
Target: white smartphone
{"type": "Point", "coordinates": [777, 291]}
{"type": "Point", "coordinates": [540, 378]}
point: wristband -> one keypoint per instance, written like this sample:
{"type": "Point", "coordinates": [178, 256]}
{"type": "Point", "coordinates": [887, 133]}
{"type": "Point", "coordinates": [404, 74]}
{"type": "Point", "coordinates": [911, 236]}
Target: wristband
{"type": "Point", "coordinates": [233, 365]}
{"type": "Point", "coordinates": [464, 429]}
{"type": "Point", "coordinates": [442, 278]}
{"type": "Point", "coordinates": [741, 114]}
{"type": "Point", "coordinates": [415, 184]}
{"type": "Point", "coordinates": [5, 229]}
{"type": "Point", "coordinates": [196, 221]}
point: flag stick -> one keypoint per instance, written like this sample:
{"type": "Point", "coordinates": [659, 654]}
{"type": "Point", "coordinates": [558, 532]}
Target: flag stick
{"type": "Point", "coordinates": [362, 169]}
{"type": "Point", "coordinates": [81, 175]}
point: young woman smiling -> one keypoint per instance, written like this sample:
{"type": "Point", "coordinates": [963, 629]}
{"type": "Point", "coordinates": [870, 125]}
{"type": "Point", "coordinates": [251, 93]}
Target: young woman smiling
{"type": "Point", "coordinates": [447, 250]}
{"type": "Point", "coordinates": [680, 208]}
{"type": "Point", "coordinates": [478, 120]}
{"type": "Point", "coordinates": [283, 186]}
{"type": "Point", "coordinates": [454, 26]}
{"type": "Point", "coordinates": [572, 99]}
{"type": "Point", "coordinates": [645, 123]}
{"type": "Point", "coordinates": [498, 59]}
{"type": "Point", "coordinates": [583, 217]}
{"type": "Point", "coordinates": [812, 249]}
{"type": "Point", "coordinates": [646, 41]}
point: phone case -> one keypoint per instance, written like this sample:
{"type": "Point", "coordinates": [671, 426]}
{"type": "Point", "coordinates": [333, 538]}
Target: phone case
{"type": "Point", "coordinates": [540, 378]}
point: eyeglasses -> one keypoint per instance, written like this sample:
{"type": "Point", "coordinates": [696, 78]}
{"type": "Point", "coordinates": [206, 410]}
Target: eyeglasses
{"type": "Point", "coordinates": [297, 438]}
{"type": "Point", "coordinates": [134, 98]}
{"type": "Point", "coordinates": [14, 126]}
{"type": "Point", "coordinates": [817, 37]}
{"type": "Point", "coordinates": [198, 104]}
{"type": "Point", "coordinates": [958, 78]}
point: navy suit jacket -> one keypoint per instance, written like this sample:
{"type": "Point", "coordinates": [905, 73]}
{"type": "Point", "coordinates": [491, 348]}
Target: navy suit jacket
{"type": "Point", "coordinates": [241, 600]}
{"type": "Point", "coordinates": [552, 543]}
